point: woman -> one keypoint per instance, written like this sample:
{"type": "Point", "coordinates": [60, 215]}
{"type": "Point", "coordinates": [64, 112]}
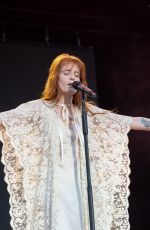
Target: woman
{"type": "Point", "coordinates": [43, 154]}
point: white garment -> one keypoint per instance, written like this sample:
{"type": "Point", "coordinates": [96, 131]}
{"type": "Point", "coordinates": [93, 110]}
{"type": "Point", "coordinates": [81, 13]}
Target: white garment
{"type": "Point", "coordinates": [68, 174]}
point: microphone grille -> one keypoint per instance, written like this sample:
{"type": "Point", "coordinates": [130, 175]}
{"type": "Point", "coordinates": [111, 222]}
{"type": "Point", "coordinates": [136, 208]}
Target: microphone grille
{"type": "Point", "coordinates": [76, 83]}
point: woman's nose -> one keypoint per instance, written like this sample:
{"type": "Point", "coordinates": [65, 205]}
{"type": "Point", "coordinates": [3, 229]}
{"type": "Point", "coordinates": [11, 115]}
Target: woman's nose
{"type": "Point", "coordinates": [72, 77]}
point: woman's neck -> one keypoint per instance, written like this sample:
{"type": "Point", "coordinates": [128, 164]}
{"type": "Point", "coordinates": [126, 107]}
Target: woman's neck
{"type": "Point", "coordinates": [62, 100]}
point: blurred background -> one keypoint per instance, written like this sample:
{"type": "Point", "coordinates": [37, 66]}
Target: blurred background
{"type": "Point", "coordinates": [113, 39]}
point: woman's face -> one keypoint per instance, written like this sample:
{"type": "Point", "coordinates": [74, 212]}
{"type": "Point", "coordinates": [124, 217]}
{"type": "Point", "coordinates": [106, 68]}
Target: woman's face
{"type": "Point", "coordinates": [69, 72]}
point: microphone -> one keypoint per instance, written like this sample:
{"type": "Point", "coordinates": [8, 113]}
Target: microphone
{"type": "Point", "coordinates": [79, 86]}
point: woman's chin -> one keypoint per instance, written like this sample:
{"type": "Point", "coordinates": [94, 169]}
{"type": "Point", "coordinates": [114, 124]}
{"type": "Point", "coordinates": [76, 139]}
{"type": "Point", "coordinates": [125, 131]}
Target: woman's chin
{"type": "Point", "coordinates": [68, 93]}
{"type": "Point", "coordinates": [71, 92]}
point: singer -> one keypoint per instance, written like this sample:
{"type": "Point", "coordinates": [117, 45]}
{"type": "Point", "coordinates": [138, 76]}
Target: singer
{"type": "Point", "coordinates": [43, 154]}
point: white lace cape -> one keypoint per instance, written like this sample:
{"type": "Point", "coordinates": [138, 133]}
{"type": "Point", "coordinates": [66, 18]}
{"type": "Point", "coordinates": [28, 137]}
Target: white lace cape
{"type": "Point", "coordinates": [31, 147]}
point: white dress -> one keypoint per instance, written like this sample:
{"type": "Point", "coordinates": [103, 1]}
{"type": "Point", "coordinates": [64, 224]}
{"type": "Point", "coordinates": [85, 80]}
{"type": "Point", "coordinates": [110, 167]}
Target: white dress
{"type": "Point", "coordinates": [68, 174]}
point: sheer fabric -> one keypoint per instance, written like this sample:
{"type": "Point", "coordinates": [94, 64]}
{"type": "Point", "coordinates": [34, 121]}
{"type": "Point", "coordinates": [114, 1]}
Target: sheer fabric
{"type": "Point", "coordinates": [31, 155]}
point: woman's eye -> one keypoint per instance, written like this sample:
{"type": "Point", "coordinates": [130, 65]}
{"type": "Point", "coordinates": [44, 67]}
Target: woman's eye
{"type": "Point", "coordinates": [66, 73]}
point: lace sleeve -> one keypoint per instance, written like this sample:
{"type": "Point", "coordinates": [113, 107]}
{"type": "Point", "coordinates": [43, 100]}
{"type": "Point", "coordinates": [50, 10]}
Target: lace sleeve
{"type": "Point", "coordinates": [8, 118]}
{"type": "Point", "coordinates": [109, 156]}
{"type": "Point", "coordinates": [102, 114]}
{"type": "Point", "coordinates": [19, 125]}
{"type": "Point", "coordinates": [23, 136]}
{"type": "Point", "coordinates": [122, 118]}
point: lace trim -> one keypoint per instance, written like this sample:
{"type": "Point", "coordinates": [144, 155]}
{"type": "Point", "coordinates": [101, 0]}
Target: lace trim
{"type": "Point", "coordinates": [13, 177]}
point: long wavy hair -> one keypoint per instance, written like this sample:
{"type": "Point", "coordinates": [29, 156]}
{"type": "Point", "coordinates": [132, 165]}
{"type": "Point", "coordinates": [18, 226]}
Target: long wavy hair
{"type": "Point", "coordinates": [50, 91]}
